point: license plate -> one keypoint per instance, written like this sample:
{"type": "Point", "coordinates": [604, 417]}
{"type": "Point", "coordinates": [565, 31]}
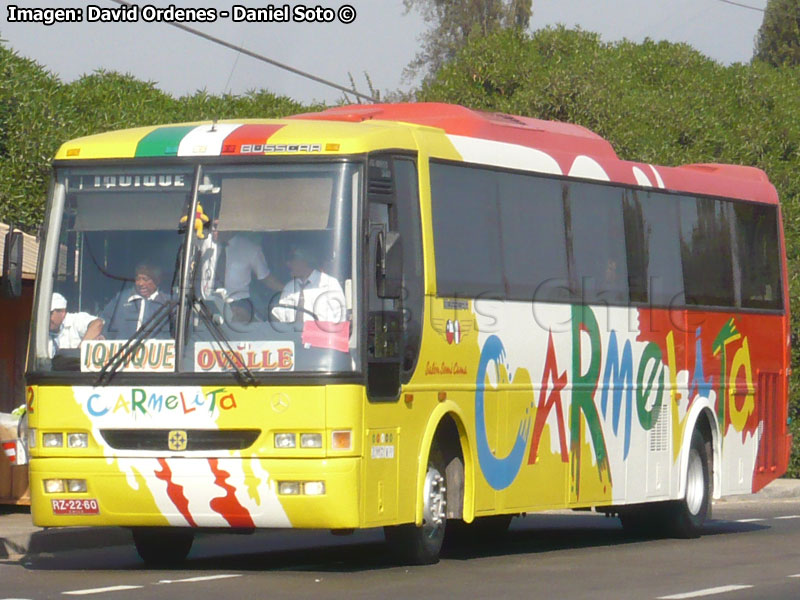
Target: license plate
{"type": "Point", "coordinates": [75, 506]}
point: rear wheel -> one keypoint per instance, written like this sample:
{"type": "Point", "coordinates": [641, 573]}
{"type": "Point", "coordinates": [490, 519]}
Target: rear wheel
{"type": "Point", "coordinates": [685, 518]}
{"type": "Point", "coordinates": [163, 546]}
{"type": "Point", "coordinates": [422, 545]}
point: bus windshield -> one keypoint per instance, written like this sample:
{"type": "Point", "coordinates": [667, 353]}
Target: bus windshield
{"type": "Point", "coordinates": [267, 287]}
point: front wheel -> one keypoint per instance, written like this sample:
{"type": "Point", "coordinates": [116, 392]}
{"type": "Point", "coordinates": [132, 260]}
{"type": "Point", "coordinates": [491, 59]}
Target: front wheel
{"type": "Point", "coordinates": [687, 516]}
{"type": "Point", "coordinates": [163, 546]}
{"type": "Point", "coordinates": [421, 545]}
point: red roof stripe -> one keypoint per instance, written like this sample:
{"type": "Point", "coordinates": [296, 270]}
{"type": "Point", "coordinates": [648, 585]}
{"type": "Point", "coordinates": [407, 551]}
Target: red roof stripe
{"type": "Point", "coordinates": [248, 135]}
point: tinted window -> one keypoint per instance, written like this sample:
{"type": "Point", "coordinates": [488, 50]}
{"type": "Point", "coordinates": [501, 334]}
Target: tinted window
{"type": "Point", "coordinates": [466, 230]}
{"type": "Point", "coordinates": [598, 243]}
{"type": "Point", "coordinates": [653, 245]}
{"type": "Point", "coordinates": [533, 243]}
{"type": "Point", "coordinates": [706, 252]}
{"type": "Point", "coordinates": [759, 261]}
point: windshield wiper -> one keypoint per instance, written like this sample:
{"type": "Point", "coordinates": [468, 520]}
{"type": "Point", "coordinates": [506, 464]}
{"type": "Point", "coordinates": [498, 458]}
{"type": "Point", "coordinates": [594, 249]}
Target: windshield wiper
{"type": "Point", "coordinates": [243, 374]}
{"type": "Point", "coordinates": [148, 328]}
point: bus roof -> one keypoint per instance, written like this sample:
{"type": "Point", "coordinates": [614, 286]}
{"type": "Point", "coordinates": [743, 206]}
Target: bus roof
{"type": "Point", "coordinates": [470, 135]}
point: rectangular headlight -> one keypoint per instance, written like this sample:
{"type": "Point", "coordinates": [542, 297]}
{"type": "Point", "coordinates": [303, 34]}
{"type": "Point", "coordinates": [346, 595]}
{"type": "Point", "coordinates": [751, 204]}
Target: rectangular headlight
{"type": "Point", "coordinates": [289, 488]}
{"type": "Point", "coordinates": [77, 440]}
{"type": "Point", "coordinates": [285, 440]}
{"type": "Point", "coordinates": [76, 485]}
{"type": "Point", "coordinates": [314, 488]}
{"type": "Point", "coordinates": [311, 440]}
{"type": "Point", "coordinates": [53, 440]}
{"type": "Point", "coordinates": [54, 486]}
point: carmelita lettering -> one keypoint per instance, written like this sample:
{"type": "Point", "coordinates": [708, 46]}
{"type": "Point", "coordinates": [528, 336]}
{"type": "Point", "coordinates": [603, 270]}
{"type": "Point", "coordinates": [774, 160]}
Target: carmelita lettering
{"type": "Point", "coordinates": [155, 402]}
{"type": "Point", "coordinates": [45, 16]}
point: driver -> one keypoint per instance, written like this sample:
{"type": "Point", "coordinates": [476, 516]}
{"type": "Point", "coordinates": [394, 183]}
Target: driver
{"type": "Point", "coordinates": [317, 295]}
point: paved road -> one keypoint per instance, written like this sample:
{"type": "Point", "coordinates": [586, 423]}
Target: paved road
{"type": "Point", "coordinates": [750, 550]}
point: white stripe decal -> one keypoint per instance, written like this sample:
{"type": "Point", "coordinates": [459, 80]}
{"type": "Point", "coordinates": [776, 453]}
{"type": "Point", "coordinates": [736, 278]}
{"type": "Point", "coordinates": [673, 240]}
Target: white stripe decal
{"type": "Point", "coordinates": [114, 588]}
{"type": "Point", "coordinates": [205, 141]}
{"type": "Point", "coordinates": [707, 592]}
{"type": "Point", "coordinates": [502, 154]}
{"type": "Point", "coordinates": [196, 579]}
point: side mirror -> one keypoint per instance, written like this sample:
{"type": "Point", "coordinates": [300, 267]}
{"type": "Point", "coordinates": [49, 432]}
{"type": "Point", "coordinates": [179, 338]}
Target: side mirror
{"type": "Point", "coordinates": [390, 265]}
{"type": "Point", "coordinates": [12, 264]}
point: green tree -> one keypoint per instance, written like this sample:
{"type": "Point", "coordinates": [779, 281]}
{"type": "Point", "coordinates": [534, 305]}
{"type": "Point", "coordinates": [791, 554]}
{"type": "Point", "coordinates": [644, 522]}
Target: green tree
{"type": "Point", "coordinates": [453, 22]}
{"type": "Point", "coordinates": [778, 39]}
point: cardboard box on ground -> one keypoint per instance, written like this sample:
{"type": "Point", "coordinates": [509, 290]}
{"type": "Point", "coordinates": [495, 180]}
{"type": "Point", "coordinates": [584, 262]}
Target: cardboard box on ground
{"type": "Point", "coordinates": [13, 478]}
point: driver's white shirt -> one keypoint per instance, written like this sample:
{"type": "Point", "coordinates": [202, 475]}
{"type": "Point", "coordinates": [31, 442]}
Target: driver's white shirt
{"type": "Point", "coordinates": [323, 296]}
{"type": "Point", "coordinates": [243, 261]}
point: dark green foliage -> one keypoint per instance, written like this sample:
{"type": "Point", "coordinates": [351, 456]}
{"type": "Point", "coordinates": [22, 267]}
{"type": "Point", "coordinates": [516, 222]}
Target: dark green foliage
{"type": "Point", "coordinates": [778, 39]}
{"type": "Point", "coordinates": [655, 102]}
{"type": "Point", "coordinates": [38, 113]}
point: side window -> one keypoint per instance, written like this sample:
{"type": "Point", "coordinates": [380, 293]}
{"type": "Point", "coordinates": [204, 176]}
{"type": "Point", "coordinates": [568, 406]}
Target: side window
{"type": "Point", "coordinates": [759, 259]}
{"type": "Point", "coordinates": [533, 238]}
{"type": "Point", "coordinates": [653, 246]}
{"type": "Point", "coordinates": [706, 252]}
{"type": "Point", "coordinates": [466, 232]}
{"type": "Point", "coordinates": [600, 269]}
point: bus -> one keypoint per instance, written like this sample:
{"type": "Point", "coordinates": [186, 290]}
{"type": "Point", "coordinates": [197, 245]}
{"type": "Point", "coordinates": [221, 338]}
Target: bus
{"type": "Point", "coordinates": [524, 322]}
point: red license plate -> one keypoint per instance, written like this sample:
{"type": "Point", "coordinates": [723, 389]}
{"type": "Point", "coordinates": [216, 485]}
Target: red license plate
{"type": "Point", "coordinates": [75, 506]}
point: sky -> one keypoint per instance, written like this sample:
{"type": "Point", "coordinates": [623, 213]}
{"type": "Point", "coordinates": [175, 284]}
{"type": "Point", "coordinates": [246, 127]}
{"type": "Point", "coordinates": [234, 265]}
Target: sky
{"type": "Point", "coordinates": [376, 46]}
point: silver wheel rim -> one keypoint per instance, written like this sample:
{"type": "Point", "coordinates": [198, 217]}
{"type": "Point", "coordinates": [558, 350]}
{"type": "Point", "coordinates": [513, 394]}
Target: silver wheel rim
{"type": "Point", "coordinates": [695, 483]}
{"type": "Point", "coordinates": [435, 501]}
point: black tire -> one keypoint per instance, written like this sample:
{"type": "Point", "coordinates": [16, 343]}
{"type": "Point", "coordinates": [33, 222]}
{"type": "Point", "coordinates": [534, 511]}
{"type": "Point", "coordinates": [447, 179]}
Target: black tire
{"type": "Point", "coordinates": [163, 546]}
{"type": "Point", "coordinates": [686, 517]}
{"type": "Point", "coordinates": [422, 545]}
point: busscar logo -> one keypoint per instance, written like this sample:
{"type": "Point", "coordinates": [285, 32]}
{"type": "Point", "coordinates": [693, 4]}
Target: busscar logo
{"type": "Point", "coordinates": [271, 148]}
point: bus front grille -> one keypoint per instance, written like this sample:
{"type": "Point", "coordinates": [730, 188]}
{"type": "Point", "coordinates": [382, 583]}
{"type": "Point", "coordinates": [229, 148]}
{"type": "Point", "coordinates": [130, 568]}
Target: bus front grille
{"type": "Point", "coordinates": [191, 440]}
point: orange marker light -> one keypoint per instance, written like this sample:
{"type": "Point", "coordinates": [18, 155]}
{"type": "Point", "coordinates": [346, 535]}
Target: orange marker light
{"type": "Point", "coordinates": [331, 147]}
{"type": "Point", "coordinates": [73, 152]}
{"type": "Point", "coordinates": [341, 440]}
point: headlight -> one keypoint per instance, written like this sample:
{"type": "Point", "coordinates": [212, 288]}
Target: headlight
{"type": "Point", "coordinates": [289, 488]}
{"type": "Point", "coordinates": [285, 440]}
{"type": "Point", "coordinates": [53, 440]}
{"type": "Point", "coordinates": [76, 485]}
{"type": "Point", "coordinates": [314, 488]}
{"type": "Point", "coordinates": [77, 440]}
{"type": "Point", "coordinates": [54, 486]}
{"type": "Point", "coordinates": [311, 440]}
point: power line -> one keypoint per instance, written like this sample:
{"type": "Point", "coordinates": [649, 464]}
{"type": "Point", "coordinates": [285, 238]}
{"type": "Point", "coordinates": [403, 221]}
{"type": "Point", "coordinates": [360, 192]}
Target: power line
{"type": "Point", "coordinates": [743, 5]}
{"type": "Point", "coordinates": [260, 57]}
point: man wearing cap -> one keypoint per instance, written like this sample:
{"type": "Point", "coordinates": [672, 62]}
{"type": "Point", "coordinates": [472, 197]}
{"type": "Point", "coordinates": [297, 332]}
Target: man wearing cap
{"type": "Point", "coordinates": [131, 308]}
{"type": "Point", "coordinates": [68, 330]}
{"type": "Point", "coordinates": [316, 295]}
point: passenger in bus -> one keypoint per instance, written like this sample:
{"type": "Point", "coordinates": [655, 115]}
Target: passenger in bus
{"type": "Point", "coordinates": [130, 308]}
{"type": "Point", "coordinates": [317, 295]}
{"type": "Point", "coordinates": [231, 262]}
{"type": "Point", "coordinates": [68, 330]}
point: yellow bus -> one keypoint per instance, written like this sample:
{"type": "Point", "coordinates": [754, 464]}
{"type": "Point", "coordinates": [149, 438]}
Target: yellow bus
{"type": "Point", "coordinates": [416, 316]}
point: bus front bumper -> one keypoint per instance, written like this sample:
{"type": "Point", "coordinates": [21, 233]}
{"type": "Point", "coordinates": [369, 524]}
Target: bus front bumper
{"type": "Point", "coordinates": [241, 493]}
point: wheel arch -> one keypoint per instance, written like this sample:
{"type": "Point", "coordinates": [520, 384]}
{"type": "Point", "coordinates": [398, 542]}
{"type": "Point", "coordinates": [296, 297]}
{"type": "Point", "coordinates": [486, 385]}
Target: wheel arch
{"type": "Point", "coordinates": [446, 426]}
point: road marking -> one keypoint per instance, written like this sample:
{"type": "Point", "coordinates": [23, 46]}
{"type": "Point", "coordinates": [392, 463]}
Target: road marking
{"type": "Point", "coordinates": [113, 588]}
{"type": "Point", "coordinates": [196, 579]}
{"type": "Point", "coordinates": [789, 517]}
{"type": "Point", "coordinates": [707, 592]}
{"type": "Point", "coordinates": [798, 575]}
{"type": "Point", "coordinates": [749, 520]}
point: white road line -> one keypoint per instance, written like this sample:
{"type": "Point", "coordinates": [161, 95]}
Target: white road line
{"type": "Point", "coordinates": [196, 579]}
{"type": "Point", "coordinates": [113, 588]}
{"type": "Point", "coordinates": [749, 520]}
{"type": "Point", "coordinates": [788, 517]}
{"type": "Point", "coordinates": [798, 575]}
{"type": "Point", "coordinates": [707, 592]}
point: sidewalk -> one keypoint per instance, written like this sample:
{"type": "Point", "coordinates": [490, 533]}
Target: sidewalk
{"type": "Point", "coordinates": [18, 536]}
